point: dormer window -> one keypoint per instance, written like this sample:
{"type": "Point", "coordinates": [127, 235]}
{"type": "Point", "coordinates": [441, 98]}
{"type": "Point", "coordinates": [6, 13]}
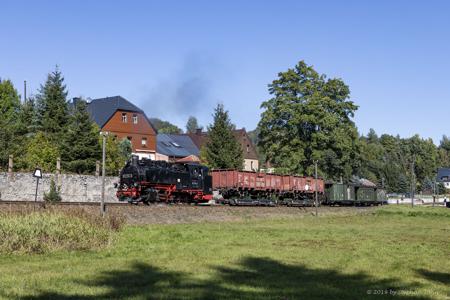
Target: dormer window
{"type": "Point", "coordinates": [135, 119]}
{"type": "Point", "coordinates": [124, 117]}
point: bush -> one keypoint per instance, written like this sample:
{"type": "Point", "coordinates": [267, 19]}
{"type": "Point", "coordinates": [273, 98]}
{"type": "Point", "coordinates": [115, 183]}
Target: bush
{"type": "Point", "coordinates": [53, 195]}
{"type": "Point", "coordinates": [51, 230]}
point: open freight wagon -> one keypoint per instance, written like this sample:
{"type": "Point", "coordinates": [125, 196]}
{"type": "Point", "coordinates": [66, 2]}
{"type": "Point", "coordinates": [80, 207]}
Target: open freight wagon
{"type": "Point", "coordinates": [254, 188]}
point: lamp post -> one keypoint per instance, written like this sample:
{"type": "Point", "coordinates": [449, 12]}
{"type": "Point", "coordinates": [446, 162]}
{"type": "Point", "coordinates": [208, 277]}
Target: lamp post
{"type": "Point", "coordinates": [102, 201]}
{"type": "Point", "coordinates": [38, 175]}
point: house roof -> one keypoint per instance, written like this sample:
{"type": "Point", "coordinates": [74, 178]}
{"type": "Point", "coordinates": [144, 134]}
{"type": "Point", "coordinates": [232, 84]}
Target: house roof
{"type": "Point", "coordinates": [443, 175]}
{"type": "Point", "coordinates": [102, 109]}
{"type": "Point", "coordinates": [176, 145]}
{"type": "Point", "coordinates": [190, 158]}
{"type": "Point", "coordinates": [201, 138]}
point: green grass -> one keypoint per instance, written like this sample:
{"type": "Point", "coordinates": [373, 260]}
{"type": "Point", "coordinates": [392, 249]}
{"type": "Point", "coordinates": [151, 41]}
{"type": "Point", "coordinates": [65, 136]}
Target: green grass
{"type": "Point", "coordinates": [332, 257]}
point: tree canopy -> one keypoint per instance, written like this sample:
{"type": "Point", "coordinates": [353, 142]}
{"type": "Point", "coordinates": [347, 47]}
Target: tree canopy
{"type": "Point", "coordinates": [222, 151]}
{"type": "Point", "coordinates": [52, 109]}
{"type": "Point", "coordinates": [9, 125]}
{"type": "Point", "coordinates": [81, 148]}
{"type": "Point", "coordinates": [192, 125]}
{"type": "Point", "coordinates": [165, 127]}
{"type": "Point", "coordinates": [308, 118]}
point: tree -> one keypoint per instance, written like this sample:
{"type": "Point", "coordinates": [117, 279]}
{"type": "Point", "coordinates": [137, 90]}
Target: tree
{"type": "Point", "coordinates": [444, 152]}
{"type": "Point", "coordinates": [222, 151]}
{"type": "Point", "coordinates": [115, 158]}
{"type": "Point", "coordinates": [308, 118]}
{"type": "Point", "coordinates": [9, 109]}
{"type": "Point", "coordinates": [192, 125]}
{"type": "Point", "coordinates": [81, 149]}
{"type": "Point", "coordinates": [125, 148]}
{"type": "Point", "coordinates": [54, 194]}
{"type": "Point", "coordinates": [52, 108]}
{"type": "Point", "coordinates": [165, 127]}
{"type": "Point", "coordinates": [41, 152]}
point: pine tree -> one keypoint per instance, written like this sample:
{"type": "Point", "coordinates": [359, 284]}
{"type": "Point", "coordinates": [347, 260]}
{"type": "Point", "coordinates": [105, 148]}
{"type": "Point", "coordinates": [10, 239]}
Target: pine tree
{"type": "Point", "coordinates": [52, 108]}
{"type": "Point", "coordinates": [54, 194]}
{"type": "Point", "coordinates": [81, 148]}
{"type": "Point", "coordinates": [192, 125]}
{"type": "Point", "coordinates": [222, 150]}
{"type": "Point", "coordinates": [9, 109]}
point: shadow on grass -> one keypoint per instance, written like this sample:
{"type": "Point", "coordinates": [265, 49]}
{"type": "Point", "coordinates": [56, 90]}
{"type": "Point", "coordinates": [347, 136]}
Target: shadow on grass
{"type": "Point", "coordinates": [438, 277]}
{"type": "Point", "coordinates": [252, 278]}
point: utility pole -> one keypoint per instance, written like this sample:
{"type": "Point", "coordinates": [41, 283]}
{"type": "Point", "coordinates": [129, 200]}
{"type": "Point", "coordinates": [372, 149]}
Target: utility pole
{"type": "Point", "coordinates": [382, 186]}
{"type": "Point", "coordinates": [24, 91]}
{"type": "Point", "coordinates": [102, 204]}
{"type": "Point", "coordinates": [413, 181]}
{"type": "Point", "coordinates": [434, 192]}
{"type": "Point", "coordinates": [316, 201]}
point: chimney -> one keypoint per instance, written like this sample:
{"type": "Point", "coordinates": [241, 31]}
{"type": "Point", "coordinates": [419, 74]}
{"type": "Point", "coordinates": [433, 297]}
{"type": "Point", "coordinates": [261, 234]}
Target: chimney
{"type": "Point", "coordinates": [198, 131]}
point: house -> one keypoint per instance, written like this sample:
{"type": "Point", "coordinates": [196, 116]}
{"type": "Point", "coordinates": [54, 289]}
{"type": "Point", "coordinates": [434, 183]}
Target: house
{"type": "Point", "coordinates": [122, 118]}
{"type": "Point", "coordinates": [176, 147]}
{"type": "Point", "coordinates": [443, 176]}
{"type": "Point", "coordinates": [251, 162]}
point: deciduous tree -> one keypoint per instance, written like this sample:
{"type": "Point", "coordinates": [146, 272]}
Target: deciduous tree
{"type": "Point", "coordinates": [9, 111]}
{"type": "Point", "coordinates": [309, 117]}
{"type": "Point", "coordinates": [192, 125]}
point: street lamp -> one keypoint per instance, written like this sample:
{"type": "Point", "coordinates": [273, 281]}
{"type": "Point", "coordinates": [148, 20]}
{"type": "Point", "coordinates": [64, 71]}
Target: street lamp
{"type": "Point", "coordinates": [38, 175]}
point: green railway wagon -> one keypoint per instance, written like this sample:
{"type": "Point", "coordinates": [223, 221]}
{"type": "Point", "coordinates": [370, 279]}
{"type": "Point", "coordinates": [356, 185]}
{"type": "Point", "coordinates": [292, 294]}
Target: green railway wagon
{"type": "Point", "coordinates": [366, 195]}
{"type": "Point", "coordinates": [338, 193]}
{"type": "Point", "coordinates": [381, 196]}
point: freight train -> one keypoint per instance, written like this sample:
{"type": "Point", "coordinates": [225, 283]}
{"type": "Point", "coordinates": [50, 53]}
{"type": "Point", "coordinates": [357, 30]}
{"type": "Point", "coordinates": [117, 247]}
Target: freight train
{"type": "Point", "coordinates": [149, 181]}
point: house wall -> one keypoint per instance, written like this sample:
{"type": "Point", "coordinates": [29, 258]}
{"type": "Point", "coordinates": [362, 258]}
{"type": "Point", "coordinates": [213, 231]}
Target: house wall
{"type": "Point", "coordinates": [136, 132]}
{"type": "Point", "coordinates": [251, 164]}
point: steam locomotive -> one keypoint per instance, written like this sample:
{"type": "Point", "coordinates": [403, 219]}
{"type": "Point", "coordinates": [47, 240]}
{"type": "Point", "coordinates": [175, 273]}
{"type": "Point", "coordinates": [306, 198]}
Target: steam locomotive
{"type": "Point", "coordinates": [149, 181]}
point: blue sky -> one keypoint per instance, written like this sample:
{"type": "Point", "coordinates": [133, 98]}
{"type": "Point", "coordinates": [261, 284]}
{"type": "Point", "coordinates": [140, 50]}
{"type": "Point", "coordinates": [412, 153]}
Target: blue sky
{"type": "Point", "coordinates": [181, 58]}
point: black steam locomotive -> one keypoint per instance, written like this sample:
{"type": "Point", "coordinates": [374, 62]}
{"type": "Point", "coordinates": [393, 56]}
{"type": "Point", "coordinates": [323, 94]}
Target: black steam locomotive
{"type": "Point", "coordinates": [149, 181]}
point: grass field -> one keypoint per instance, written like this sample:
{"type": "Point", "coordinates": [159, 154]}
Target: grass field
{"type": "Point", "coordinates": [388, 251]}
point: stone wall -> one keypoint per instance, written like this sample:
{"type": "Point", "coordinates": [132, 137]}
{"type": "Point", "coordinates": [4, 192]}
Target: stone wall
{"type": "Point", "coordinates": [74, 188]}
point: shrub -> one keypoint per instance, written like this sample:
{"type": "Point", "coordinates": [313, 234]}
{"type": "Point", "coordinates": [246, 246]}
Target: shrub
{"type": "Point", "coordinates": [54, 194]}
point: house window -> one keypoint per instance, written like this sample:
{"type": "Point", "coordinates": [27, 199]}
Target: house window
{"type": "Point", "coordinates": [248, 148]}
{"type": "Point", "coordinates": [124, 117]}
{"type": "Point", "coordinates": [144, 142]}
{"type": "Point", "coordinates": [134, 119]}
{"type": "Point", "coordinates": [129, 138]}
{"type": "Point", "coordinates": [251, 165]}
